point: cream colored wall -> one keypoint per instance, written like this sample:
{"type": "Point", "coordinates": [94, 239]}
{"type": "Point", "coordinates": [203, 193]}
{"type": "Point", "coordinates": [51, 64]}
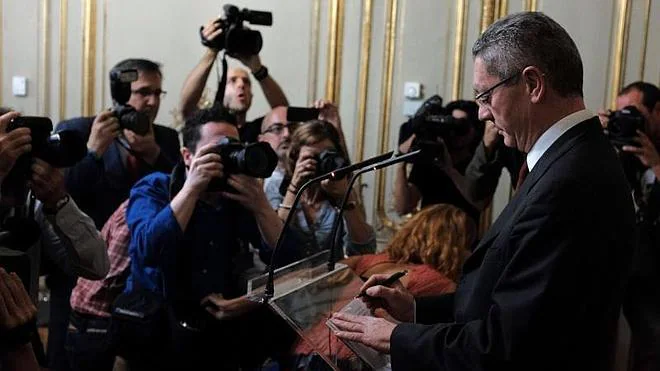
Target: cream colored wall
{"type": "Point", "coordinates": [423, 47]}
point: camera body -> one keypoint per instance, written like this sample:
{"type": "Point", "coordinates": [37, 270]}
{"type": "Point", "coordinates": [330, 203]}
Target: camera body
{"type": "Point", "coordinates": [257, 160]}
{"type": "Point", "coordinates": [235, 38]}
{"type": "Point", "coordinates": [622, 126]}
{"type": "Point", "coordinates": [120, 90]}
{"type": "Point", "coordinates": [330, 160]}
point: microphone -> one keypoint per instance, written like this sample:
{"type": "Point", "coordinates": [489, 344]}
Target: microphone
{"type": "Point", "coordinates": [334, 237]}
{"type": "Point", "coordinates": [336, 174]}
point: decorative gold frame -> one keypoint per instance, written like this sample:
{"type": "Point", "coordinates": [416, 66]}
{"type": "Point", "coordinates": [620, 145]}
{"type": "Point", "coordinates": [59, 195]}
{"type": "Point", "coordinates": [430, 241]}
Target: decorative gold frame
{"type": "Point", "coordinates": [335, 45]}
{"type": "Point", "coordinates": [622, 32]}
{"type": "Point", "coordinates": [363, 84]}
{"type": "Point", "coordinates": [89, 58]}
{"type": "Point", "coordinates": [645, 38]}
{"type": "Point", "coordinates": [530, 5]}
{"type": "Point", "coordinates": [64, 33]}
{"type": "Point", "coordinates": [312, 68]}
{"type": "Point", "coordinates": [44, 78]}
{"type": "Point", "coordinates": [385, 106]}
{"type": "Point", "coordinates": [462, 10]}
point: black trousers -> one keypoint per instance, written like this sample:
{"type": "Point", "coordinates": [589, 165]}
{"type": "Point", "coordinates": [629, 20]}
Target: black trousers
{"type": "Point", "coordinates": [90, 343]}
{"type": "Point", "coordinates": [642, 310]}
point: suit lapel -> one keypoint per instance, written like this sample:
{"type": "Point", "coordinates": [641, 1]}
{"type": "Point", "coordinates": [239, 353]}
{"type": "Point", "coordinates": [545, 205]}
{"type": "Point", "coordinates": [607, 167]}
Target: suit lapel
{"type": "Point", "coordinates": [558, 148]}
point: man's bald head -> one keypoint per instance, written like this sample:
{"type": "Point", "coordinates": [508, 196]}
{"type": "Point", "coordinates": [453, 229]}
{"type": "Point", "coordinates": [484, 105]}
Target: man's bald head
{"type": "Point", "coordinates": [275, 130]}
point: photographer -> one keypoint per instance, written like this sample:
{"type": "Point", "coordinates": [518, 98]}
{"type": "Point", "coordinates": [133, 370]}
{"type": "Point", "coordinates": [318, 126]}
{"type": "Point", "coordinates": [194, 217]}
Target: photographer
{"type": "Point", "coordinates": [117, 157]}
{"type": "Point", "coordinates": [238, 91]}
{"type": "Point", "coordinates": [642, 304]}
{"type": "Point", "coordinates": [438, 176]}
{"type": "Point", "coordinates": [184, 238]}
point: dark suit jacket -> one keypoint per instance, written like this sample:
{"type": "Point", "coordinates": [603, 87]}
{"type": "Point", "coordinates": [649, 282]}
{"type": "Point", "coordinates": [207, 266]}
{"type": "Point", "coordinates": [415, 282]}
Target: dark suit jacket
{"type": "Point", "coordinates": [543, 289]}
{"type": "Point", "coordinates": [99, 187]}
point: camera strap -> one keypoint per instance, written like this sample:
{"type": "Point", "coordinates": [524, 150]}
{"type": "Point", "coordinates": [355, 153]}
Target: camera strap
{"type": "Point", "coordinates": [220, 94]}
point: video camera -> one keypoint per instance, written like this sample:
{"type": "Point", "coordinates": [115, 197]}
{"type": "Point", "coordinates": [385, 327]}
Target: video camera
{"type": "Point", "coordinates": [235, 38]}
{"type": "Point", "coordinates": [622, 126]}
{"type": "Point", "coordinates": [432, 121]}
{"type": "Point", "coordinates": [257, 160]}
{"type": "Point", "coordinates": [120, 90]}
{"type": "Point", "coordinates": [62, 149]}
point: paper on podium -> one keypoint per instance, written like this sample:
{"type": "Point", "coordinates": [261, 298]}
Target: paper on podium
{"type": "Point", "coordinates": [372, 357]}
{"type": "Point", "coordinates": [306, 295]}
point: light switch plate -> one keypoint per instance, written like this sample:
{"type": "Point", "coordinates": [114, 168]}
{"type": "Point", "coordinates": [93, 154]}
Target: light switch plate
{"type": "Point", "coordinates": [412, 90]}
{"type": "Point", "coordinates": [19, 86]}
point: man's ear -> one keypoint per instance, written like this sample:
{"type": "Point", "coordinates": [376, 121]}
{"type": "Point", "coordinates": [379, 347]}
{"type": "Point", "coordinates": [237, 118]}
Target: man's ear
{"type": "Point", "coordinates": [535, 82]}
{"type": "Point", "coordinates": [187, 156]}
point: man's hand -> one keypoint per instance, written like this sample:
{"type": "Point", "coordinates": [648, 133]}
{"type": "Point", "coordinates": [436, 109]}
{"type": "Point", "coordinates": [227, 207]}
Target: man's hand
{"type": "Point", "coordinates": [491, 138]}
{"type": "Point", "coordinates": [144, 145]}
{"type": "Point", "coordinates": [646, 152]}
{"type": "Point", "coordinates": [12, 144]}
{"type": "Point", "coordinates": [250, 193]}
{"type": "Point", "coordinates": [221, 308]}
{"type": "Point", "coordinates": [211, 31]}
{"type": "Point", "coordinates": [371, 331]}
{"type": "Point", "coordinates": [405, 146]}
{"type": "Point", "coordinates": [16, 308]}
{"type": "Point", "coordinates": [335, 188]}
{"type": "Point", "coordinates": [604, 117]}
{"type": "Point", "coordinates": [329, 112]}
{"type": "Point", "coordinates": [305, 167]}
{"type": "Point", "coordinates": [204, 166]}
{"type": "Point", "coordinates": [105, 129]}
{"type": "Point", "coordinates": [47, 183]}
{"type": "Point", "coordinates": [253, 62]}
{"type": "Point", "coordinates": [397, 301]}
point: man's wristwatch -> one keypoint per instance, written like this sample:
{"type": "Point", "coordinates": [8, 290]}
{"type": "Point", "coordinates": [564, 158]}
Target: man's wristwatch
{"type": "Point", "coordinates": [261, 73]}
{"type": "Point", "coordinates": [58, 205]}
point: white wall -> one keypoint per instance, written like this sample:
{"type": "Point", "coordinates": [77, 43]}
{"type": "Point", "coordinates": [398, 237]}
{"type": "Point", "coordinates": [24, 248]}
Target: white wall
{"type": "Point", "coordinates": [167, 31]}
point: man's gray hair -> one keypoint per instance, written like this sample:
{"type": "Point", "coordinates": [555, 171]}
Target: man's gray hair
{"type": "Point", "coordinates": [532, 39]}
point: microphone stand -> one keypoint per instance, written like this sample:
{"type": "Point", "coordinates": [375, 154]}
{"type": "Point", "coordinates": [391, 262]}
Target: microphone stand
{"type": "Point", "coordinates": [335, 226]}
{"type": "Point", "coordinates": [337, 174]}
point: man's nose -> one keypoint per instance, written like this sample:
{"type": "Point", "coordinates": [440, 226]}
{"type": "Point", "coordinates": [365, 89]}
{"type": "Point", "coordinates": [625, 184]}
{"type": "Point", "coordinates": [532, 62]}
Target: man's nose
{"type": "Point", "coordinates": [484, 113]}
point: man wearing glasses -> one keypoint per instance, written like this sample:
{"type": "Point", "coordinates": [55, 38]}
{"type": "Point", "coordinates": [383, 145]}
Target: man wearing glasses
{"type": "Point", "coordinates": [116, 159]}
{"type": "Point", "coordinates": [543, 289]}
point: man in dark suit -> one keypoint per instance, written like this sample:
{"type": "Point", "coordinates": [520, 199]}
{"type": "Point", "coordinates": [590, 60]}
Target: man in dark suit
{"type": "Point", "coordinates": [543, 289]}
{"type": "Point", "coordinates": [116, 159]}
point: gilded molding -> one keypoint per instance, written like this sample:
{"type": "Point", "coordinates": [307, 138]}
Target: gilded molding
{"type": "Point", "coordinates": [89, 57]}
{"type": "Point", "coordinates": [620, 47]}
{"type": "Point", "coordinates": [363, 84]}
{"type": "Point", "coordinates": [104, 53]}
{"type": "Point", "coordinates": [645, 38]}
{"type": "Point", "coordinates": [530, 5]}
{"type": "Point", "coordinates": [64, 29]}
{"type": "Point", "coordinates": [503, 8]}
{"type": "Point", "coordinates": [44, 81]}
{"type": "Point", "coordinates": [487, 13]}
{"type": "Point", "coordinates": [312, 69]}
{"type": "Point", "coordinates": [335, 45]}
{"type": "Point", "coordinates": [462, 10]}
{"type": "Point", "coordinates": [386, 106]}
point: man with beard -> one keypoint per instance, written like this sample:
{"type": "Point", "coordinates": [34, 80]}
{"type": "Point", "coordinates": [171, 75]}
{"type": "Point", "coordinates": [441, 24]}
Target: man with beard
{"type": "Point", "coordinates": [238, 91]}
{"type": "Point", "coordinates": [116, 159]}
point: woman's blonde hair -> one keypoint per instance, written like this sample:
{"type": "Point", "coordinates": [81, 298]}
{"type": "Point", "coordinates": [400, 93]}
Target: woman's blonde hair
{"type": "Point", "coordinates": [309, 133]}
{"type": "Point", "coordinates": [438, 235]}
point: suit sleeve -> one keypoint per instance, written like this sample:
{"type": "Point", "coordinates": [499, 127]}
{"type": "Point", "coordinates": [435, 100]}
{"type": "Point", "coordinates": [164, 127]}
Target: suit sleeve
{"type": "Point", "coordinates": [482, 174]}
{"type": "Point", "coordinates": [81, 177]}
{"type": "Point", "coordinates": [169, 156]}
{"type": "Point", "coordinates": [546, 246]}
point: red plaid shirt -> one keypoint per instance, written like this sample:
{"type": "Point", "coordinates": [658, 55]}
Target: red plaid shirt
{"type": "Point", "coordinates": [95, 297]}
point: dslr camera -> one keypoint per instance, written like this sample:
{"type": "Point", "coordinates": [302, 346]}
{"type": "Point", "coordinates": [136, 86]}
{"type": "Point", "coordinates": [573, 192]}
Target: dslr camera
{"type": "Point", "coordinates": [257, 160]}
{"type": "Point", "coordinates": [235, 38]}
{"type": "Point", "coordinates": [330, 160]}
{"type": "Point", "coordinates": [120, 90]}
{"type": "Point", "coordinates": [622, 126]}
{"type": "Point", "coordinates": [432, 121]}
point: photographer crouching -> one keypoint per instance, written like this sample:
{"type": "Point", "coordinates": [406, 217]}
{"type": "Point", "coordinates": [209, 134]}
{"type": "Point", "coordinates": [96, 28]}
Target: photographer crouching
{"type": "Point", "coordinates": [186, 230]}
{"type": "Point", "coordinates": [37, 216]}
{"type": "Point", "coordinates": [635, 130]}
{"type": "Point", "coordinates": [448, 136]}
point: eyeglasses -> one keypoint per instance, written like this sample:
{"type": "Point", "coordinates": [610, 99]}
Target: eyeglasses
{"type": "Point", "coordinates": [146, 92]}
{"type": "Point", "coordinates": [483, 98]}
{"type": "Point", "coordinates": [276, 128]}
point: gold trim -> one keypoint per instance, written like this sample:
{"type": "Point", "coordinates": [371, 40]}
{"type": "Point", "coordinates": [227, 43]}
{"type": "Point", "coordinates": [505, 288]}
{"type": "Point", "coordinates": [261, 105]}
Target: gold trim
{"type": "Point", "coordinates": [385, 106]}
{"type": "Point", "coordinates": [104, 53]}
{"type": "Point", "coordinates": [363, 85]}
{"type": "Point", "coordinates": [89, 57]}
{"type": "Point", "coordinates": [64, 16]}
{"type": "Point", "coordinates": [335, 42]}
{"type": "Point", "coordinates": [462, 10]}
{"type": "Point", "coordinates": [503, 8]}
{"type": "Point", "coordinates": [645, 39]}
{"type": "Point", "coordinates": [44, 86]}
{"type": "Point", "coordinates": [530, 5]}
{"type": "Point", "coordinates": [312, 68]}
{"type": "Point", "coordinates": [487, 14]}
{"type": "Point", "coordinates": [620, 45]}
